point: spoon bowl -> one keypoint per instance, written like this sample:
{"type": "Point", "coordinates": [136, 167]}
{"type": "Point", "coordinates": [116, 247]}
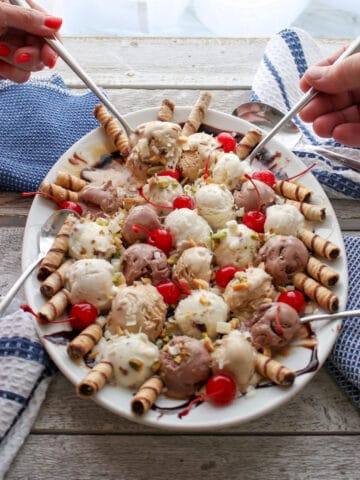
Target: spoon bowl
{"type": "Point", "coordinates": [48, 233]}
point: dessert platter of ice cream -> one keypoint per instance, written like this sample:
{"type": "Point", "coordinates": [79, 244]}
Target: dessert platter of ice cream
{"type": "Point", "coordinates": [173, 295]}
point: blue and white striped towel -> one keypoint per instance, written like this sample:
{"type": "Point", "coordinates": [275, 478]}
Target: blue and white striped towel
{"type": "Point", "coordinates": [287, 56]}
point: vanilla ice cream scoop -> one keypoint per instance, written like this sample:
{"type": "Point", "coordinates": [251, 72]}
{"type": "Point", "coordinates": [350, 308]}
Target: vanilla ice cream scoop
{"type": "Point", "coordinates": [154, 144]}
{"type": "Point", "coordinates": [283, 219]}
{"type": "Point", "coordinates": [91, 239]}
{"type": "Point", "coordinates": [90, 280]}
{"type": "Point", "coordinates": [184, 364]}
{"type": "Point", "coordinates": [201, 312]}
{"type": "Point", "coordinates": [215, 203]}
{"type": "Point", "coordinates": [132, 356]}
{"type": "Point", "coordinates": [248, 290]}
{"type": "Point", "coordinates": [235, 245]}
{"type": "Point", "coordinates": [187, 226]}
{"type": "Point", "coordinates": [235, 355]}
{"type": "Point", "coordinates": [194, 263]}
{"type": "Point", "coordinates": [137, 308]}
{"type": "Point", "coordinates": [162, 190]}
{"type": "Point", "coordinates": [229, 170]}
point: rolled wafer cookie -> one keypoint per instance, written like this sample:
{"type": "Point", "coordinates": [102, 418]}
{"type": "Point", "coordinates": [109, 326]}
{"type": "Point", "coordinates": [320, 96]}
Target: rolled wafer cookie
{"type": "Point", "coordinates": [321, 272]}
{"type": "Point", "coordinates": [95, 379]}
{"type": "Point", "coordinates": [61, 193]}
{"type": "Point", "coordinates": [166, 111]}
{"type": "Point", "coordinates": [247, 143]}
{"type": "Point", "coordinates": [274, 371]}
{"type": "Point", "coordinates": [84, 342]}
{"type": "Point", "coordinates": [197, 114]}
{"type": "Point", "coordinates": [55, 307]}
{"type": "Point", "coordinates": [318, 244]}
{"type": "Point", "coordinates": [54, 282]}
{"type": "Point", "coordinates": [292, 190]}
{"type": "Point", "coordinates": [55, 255]}
{"type": "Point", "coordinates": [70, 182]}
{"type": "Point", "coordinates": [315, 213]}
{"type": "Point", "coordinates": [112, 129]}
{"type": "Point", "coordinates": [324, 297]}
{"type": "Point", "coordinates": [146, 395]}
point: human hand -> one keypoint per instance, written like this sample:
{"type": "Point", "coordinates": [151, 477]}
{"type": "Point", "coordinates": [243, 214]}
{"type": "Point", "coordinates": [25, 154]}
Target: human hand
{"type": "Point", "coordinates": [22, 47]}
{"type": "Point", "coordinates": [335, 111]}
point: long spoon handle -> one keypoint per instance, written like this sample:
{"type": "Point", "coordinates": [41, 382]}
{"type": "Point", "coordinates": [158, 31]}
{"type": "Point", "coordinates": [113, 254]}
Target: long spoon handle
{"type": "Point", "coordinates": [14, 289]}
{"type": "Point", "coordinates": [330, 316]}
{"type": "Point", "coordinates": [304, 100]}
{"type": "Point", "coordinates": [78, 70]}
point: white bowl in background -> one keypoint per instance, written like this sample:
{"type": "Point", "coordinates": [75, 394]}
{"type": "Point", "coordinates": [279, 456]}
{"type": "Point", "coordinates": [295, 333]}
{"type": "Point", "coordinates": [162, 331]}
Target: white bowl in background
{"type": "Point", "coordinates": [244, 18]}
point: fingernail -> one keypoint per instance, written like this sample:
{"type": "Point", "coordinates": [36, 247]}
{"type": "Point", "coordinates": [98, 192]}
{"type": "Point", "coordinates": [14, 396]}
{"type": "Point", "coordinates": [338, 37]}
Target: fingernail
{"type": "Point", "coordinates": [316, 72]}
{"type": "Point", "coordinates": [23, 58]}
{"type": "Point", "coordinates": [53, 22]}
{"type": "Point", "coordinates": [52, 62]}
{"type": "Point", "coordinates": [4, 50]}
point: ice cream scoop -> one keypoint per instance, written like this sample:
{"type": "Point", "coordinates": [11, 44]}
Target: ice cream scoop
{"type": "Point", "coordinates": [273, 325]}
{"type": "Point", "coordinates": [90, 280]}
{"type": "Point", "coordinates": [235, 355]}
{"type": "Point", "coordinates": [133, 357]}
{"type": "Point", "coordinates": [195, 154]}
{"type": "Point", "coordinates": [247, 196]}
{"type": "Point", "coordinates": [194, 263]}
{"type": "Point", "coordinates": [215, 203]}
{"type": "Point", "coordinates": [283, 256]}
{"type": "Point", "coordinates": [89, 239]}
{"type": "Point", "coordinates": [162, 190]}
{"type": "Point", "coordinates": [143, 215]}
{"type": "Point", "coordinates": [184, 364]}
{"type": "Point", "coordinates": [103, 196]}
{"type": "Point", "coordinates": [228, 169]}
{"type": "Point", "coordinates": [283, 219]}
{"type": "Point", "coordinates": [137, 308]}
{"type": "Point", "coordinates": [187, 226]}
{"type": "Point", "coordinates": [201, 312]}
{"type": "Point", "coordinates": [143, 260]}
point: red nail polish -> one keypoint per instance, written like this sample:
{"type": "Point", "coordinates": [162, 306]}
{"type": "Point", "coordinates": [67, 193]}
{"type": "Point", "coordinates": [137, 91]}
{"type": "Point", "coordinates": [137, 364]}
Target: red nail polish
{"type": "Point", "coordinates": [53, 22]}
{"type": "Point", "coordinates": [52, 62]}
{"type": "Point", "coordinates": [4, 50]}
{"type": "Point", "coordinates": [23, 58]}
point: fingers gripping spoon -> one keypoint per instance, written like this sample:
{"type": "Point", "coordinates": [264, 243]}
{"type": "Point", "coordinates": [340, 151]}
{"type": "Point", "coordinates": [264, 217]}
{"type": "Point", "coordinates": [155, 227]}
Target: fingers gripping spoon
{"type": "Point", "coordinates": [59, 48]}
{"type": "Point", "coordinates": [304, 100]}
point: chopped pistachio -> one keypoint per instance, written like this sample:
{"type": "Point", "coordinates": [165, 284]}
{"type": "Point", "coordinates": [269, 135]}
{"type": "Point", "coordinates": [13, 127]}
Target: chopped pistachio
{"type": "Point", "coordinates": [136, 364]}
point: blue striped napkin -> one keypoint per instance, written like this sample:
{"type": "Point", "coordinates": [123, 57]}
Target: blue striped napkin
{"type": "Point", "coordinates": [39, 121]}
{"type": "Point", "coordinates": [286, 58]}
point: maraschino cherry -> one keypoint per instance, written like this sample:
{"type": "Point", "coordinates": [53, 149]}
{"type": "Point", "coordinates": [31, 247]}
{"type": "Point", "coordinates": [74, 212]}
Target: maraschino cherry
{"type": "Point", "coordinates": [81, 315]}
{"type": "Point", "coordinates": [265, 176]}
{"type": "Point", "coordinates": [294, 298]}
{"type": "Point", "coordinates": [255, 219]}
{"type": "Point", "coordinates": [220, 389]}
{"type": "Point", "coordinates": [170, 173]}
{"type": "Point", "coordinates": [66, 205]}
{"type": "Point", "coordinates": [170, 292]}
{"type": "Point", "coordinates": [227, 141]}
{"type": "Point", "coordinates": [159, 237]}
{"type": "Point", "coordinates": [225, 274]}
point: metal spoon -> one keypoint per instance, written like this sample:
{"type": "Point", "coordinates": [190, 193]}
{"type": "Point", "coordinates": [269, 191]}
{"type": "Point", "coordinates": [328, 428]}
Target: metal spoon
{"type": "Point", "coordinates": [48, 233]}
{"type": "Point", "coordinates": [63, 53]}
{"type": "Point", "coordinates": [330, 316]}
{"type": "Point", "coordinates": [266, 117]}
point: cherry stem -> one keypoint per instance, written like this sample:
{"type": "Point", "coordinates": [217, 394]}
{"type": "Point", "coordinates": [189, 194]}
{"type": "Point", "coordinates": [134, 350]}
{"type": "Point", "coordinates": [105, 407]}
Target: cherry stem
{"type": "Point", "coordinates": [197, 400]}
{"type": "Point", "coordinates": [43, 194]}
{"type": "Point", "coordinates": [136, 227]}
{"type": "Point", "coordinates": [279, 328]}
{"type": "Point", "coordinates": [184, 287]}
{"type": "Point", "coordinates": [256, 190]}
{"type": "Point", "coordinates": [142, 195]}
{"type": "Point", "coordinates": [302, 173]}
{"type": "Point", "coordinates": [28, 309]}
{"type": "Point", "coordinates": [206, 170]}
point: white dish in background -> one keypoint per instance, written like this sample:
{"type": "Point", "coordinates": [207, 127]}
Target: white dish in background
{"type": "Point", "coordinates": [205, 416]}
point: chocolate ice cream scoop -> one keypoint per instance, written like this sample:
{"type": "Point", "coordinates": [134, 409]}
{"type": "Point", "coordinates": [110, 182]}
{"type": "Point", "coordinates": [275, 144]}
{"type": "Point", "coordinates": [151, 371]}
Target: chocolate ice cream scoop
{"type": "Point", "coordinates": [102, 196]}
{"type": "Point", "coordinates": [283, 256]}
{"type": "Point", "coordinates": [273, 325]}
{"type": "Point", "coordinates": [143, 260]}
{"type": "Point", "coordinates": [142, 215]}
{"type": "Point", "coordinates": [184, 363]}
{"type": "Point", "coordinates": [247, 197]}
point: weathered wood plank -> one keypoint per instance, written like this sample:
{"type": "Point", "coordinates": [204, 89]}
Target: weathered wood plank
{"type": "Point", "coordinates": [187, 457]}
{"type": "Point", "coordinates": [320, 407]}
{"type": "Point", "coordinates": [149, 62]}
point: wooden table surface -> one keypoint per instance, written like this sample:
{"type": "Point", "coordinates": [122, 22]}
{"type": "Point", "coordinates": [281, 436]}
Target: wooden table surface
{"type": "Point", "coordinates": [314, 436]}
